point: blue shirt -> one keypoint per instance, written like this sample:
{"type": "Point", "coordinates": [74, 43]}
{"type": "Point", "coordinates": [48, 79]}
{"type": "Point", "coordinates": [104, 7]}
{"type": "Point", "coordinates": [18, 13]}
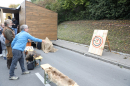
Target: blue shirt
{"type": "Point", "coordinates": [1, 30]}
{"type": "Point", "coordinates": [20, 40]}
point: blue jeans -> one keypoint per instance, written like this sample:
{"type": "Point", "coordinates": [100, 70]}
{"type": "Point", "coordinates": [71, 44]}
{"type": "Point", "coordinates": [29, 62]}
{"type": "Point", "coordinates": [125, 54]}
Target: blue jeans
{"type": "Point", "coordinates": [15, 30]}
{"type": "Point", "coordinates": [17, 56]}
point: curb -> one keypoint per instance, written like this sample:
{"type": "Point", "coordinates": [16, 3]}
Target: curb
{"type": "Point", "coordinates": [98, 58]}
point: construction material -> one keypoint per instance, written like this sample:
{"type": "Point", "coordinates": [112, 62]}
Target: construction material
{"type": "Point", "coordinates": [56, 76]}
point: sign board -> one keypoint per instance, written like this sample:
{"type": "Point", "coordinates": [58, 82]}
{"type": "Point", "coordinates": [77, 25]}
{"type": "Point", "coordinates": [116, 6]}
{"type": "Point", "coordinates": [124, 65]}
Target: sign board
{"type": "Point", "coordinates": [98, 42]}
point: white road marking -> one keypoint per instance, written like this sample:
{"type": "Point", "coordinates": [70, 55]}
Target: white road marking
{"type": "Point", "coordinates": [42, 79]}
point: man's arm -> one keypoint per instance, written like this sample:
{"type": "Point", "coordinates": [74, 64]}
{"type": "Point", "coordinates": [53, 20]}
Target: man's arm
{"type": "Point", "coordinates": [9, 35]}
{"type": "Point", "coordinates": [13, 42]}
{"type": "Point", "coordinates": [35, 39]}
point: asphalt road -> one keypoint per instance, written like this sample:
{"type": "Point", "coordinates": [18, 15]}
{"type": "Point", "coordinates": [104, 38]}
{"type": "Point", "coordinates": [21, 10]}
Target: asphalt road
{"type": "Point", "coordinates": [84, 70]}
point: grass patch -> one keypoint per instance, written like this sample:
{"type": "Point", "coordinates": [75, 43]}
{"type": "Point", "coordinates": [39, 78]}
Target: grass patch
{"type": "Point", "coordinates": [82, 31]}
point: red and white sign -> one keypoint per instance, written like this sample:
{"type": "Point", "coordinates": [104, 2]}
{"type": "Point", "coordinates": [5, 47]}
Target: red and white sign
{"type": "Point", "coordinates": [98, 42]}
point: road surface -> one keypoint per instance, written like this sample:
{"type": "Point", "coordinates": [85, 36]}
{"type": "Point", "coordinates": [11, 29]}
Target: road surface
{"type": "Point", "coordinates": [84, 70]}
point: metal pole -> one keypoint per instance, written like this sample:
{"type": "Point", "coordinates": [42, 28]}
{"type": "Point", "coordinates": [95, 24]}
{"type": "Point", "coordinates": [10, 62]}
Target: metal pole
{"type": "Point", "coordinates": [44, 77]}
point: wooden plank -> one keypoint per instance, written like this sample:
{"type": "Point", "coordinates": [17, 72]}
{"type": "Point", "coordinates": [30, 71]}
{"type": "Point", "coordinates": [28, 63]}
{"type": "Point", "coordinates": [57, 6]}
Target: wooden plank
{"type": "Point", "coordinates": [45, 21]}
{"type": "Point", "coordinates": [39, 28]}
{"type": "Point", "coordinates": [45, 26]}
{"type": "Point", "coordinates": [1, 16]}
{"type": "Point", "coordinates": [98, 42]}
{"type": "Point", "coordinates": [42, 22]}
{"type": "Point", "coordinates": [43, 36]}
{"type": "Point", "coordinates": [41, 19]}
{"type": "Point", "coordinates": [56, 78]}
{"type": "Point", "coordinates": [22, 19]}
{"type": "Point", "coordinates": [39, 57]}
{"type": "Point", "coordinates": [40, 12]}
{"type": "Point", "coordinates": [51, 38]}
{"type": "Point", "coordinates": [45, 66]}
{"type": "Point", "coordinates": [42, 31]}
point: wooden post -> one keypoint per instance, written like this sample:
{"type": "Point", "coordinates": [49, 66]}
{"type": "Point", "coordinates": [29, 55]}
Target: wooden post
{"type": "Point", "coordinates": [108, 44]}
{"type": "Point", "coordinates": [44, 77]}
{"type": "Point", "coordinates": [2, 17]}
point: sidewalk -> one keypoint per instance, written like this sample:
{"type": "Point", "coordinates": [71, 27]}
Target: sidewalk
{"type": "Point", "coordinates": [116, 58]}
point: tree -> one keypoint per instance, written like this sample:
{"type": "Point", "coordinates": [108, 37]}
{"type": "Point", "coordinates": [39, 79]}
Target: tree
{"type": "Point", "coordinates": [33, 1]}
{"type": "Point", "coordinates": [8, 14]}
{"type": "Point", "coordinates": [53, 5]}
{"type": "Point", "coordinates": [11, 6]}
{"type": "Point", "coordinates": [73, 4]}
{"type": "Point", "coordinates": [109, 9]}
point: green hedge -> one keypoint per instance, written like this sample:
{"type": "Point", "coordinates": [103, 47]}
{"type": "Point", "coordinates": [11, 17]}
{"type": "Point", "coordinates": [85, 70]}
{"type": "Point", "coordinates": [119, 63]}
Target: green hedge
{"type": "Point", "coordinates": [69, 10]}
{"type": "Point", "coordinates": [97, 10]}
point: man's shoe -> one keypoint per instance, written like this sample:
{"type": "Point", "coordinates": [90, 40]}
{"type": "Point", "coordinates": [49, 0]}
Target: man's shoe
{"type": "Point", "coordinates": [13, 77]}
{"type": "Point", "coordinates": [26, 72]}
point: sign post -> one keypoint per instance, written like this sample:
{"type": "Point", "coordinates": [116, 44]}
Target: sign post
{"type": "Point", "coordinates": [98, 42]}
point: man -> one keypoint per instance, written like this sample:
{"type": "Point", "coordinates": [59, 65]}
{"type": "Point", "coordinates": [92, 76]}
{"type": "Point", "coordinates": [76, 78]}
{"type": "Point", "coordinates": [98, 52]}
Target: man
{"type": "Point", "coordinates": [9, 17]}
{"type": "Point", "coordinates": [18, 45]}
{"type": "Point", "coordinates": [9, 36]}
{"type": "Point", "coordinates": [1, 28]}
{"type": "Point", "coordinates": [15, 24]}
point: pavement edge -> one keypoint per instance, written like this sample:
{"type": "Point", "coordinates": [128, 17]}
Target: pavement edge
{"type": "Point", "coordinates": [98, 58]}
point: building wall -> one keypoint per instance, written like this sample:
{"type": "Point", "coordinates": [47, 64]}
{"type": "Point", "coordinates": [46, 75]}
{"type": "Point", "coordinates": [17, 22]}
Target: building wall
{"type": "Point", "coordinates": [22, 16]}
{"type": "Point", "coordinates": [42, 22]}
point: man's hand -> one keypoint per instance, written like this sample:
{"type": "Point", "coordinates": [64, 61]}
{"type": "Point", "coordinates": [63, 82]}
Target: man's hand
{"type": "Point", "coordinates": [43, 41]}
{"type": "Point", "coordinates": [29, 40]}
{"type": "Point", "coordinates": [18, 26]}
